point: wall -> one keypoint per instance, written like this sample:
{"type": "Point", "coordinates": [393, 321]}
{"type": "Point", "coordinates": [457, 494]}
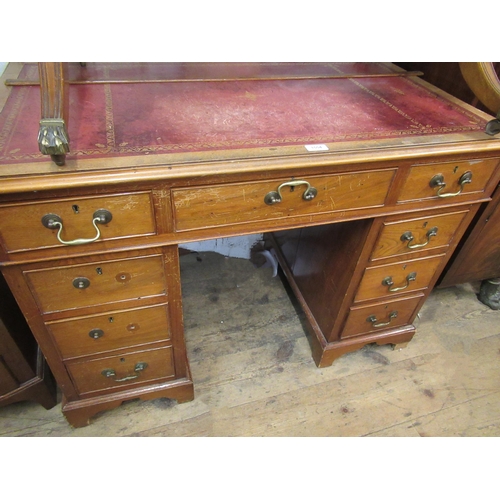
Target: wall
{"type": "Point", "coordinates": [230, 247]}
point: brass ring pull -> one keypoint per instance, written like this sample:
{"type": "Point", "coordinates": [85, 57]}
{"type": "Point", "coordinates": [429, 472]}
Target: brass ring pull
{"type": "Point", "coordinates": [53, 221]}
{"type": "Point", "coordinates": [438, 181]}
{"type": "Point", "coordinates": [388, 282]}
{"type": "Point", "coordinates": [407, 236]}
{"type": "Point", "coordinates": [373, 320]}
{"type": "Point", "coordinates": [274, 197]}
{"type": "Point", "coordinates": [109, 373]}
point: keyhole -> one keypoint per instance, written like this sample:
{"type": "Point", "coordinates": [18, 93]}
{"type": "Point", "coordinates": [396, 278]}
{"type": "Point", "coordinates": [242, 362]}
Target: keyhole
{"type": "Point", "coordinates": [455, 169]}
{"type": "Point", "coordinates": [76, 209]}
{"type": "Point", "coordinates": [425, 224]}
{"type": "Point", "coordinates": [111, 319]}
{"type": "Point", "coordinates": [98, 270]}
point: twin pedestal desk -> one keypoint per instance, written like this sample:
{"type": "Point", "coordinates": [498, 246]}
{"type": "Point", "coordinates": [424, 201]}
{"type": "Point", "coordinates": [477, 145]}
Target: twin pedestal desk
{"type": "Point", "coordinates": [362, 177]}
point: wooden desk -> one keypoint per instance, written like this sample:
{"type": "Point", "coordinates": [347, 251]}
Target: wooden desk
{"type": "Point", "coordinates": [364, 186]}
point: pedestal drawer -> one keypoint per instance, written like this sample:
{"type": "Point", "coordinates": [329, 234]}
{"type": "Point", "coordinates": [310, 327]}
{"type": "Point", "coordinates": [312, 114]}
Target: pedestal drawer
{"type": "Point", "coordinates": [95, 334]}
{"type": "Point", "coordinates": [447, 179]}
{"type": "Point", "coordinates": [71, 287]}
{"type": "Point", "coordinates": [401, 237]}
{"type": "Point", "coordinates": [229, 204]}
{"type": "Point", "coordinates": [403, 277]}
{"type": "Point", "coordinates": [118, 372]}
{"type": "Point", "coordinates": [22, 225]}
{"type": "Point", "coordinates": [381, 316]}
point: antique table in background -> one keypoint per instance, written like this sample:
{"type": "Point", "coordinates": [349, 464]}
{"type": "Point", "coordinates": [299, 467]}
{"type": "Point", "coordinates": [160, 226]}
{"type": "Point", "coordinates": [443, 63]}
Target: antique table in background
{"type": "Point", "coordinates": [362, 176]}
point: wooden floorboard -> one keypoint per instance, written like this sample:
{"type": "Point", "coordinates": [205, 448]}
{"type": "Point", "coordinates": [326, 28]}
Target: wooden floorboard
{"type": "Point", "coordinates": [254, 375]}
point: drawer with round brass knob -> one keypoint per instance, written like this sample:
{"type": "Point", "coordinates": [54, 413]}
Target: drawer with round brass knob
{"type": "Point", "coordinates": [98, 333]}
{"type": "Point", "coordinates": [60, 288]}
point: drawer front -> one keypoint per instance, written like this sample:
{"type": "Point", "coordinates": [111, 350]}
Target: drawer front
{"type": "Point", "coordinates": [197, 208]}
{"type": "Point", "coordinates": [382, 316]}
{"type": "Point", "coordinates": [424, 181]}
{"type": "Point", "coordinates": [120, 372]}
{"type": "Point", "coordinates": [416, 234]}
{"type": "Point", "coordinates": [72, 287]}
{"type": "Point", "coordinates": [114, 330]}
{"type": "Point", "coordinates": [21, 226]}
{"type": "Point", "coordinates": [403, 277]}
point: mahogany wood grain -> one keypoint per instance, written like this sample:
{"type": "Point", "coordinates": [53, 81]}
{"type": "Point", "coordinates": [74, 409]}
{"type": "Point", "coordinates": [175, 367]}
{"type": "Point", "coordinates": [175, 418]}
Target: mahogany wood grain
{"type": "Point", "coordinates": [482, 78]}
{"type": "Point", "coordinates": [22, 229]}
{"type": "Point", "coordinates": [358, 322]}
{"type": "Point", "coordinates": [367, 187]}
{"type": "Point", "coordinates": [54, 93]}
{"type": "Point", "coordinates": [417, 185]}
{"type": "Point", "coordinates": [110, 282]}
{"type": "Point", "coordinates": [79, 412]}
{"type": "Point", "coordinates": [88, 376]}
{"type": "Point", "coordinates": [54, 97]}
{"type": "Point", "coordinates": [372, 286]}
{"type": "Point", "coordinates": [389, 243]}
{"type": "Point", "coordinates": [242, 203]}
{"type": "Point", "coordinates": [115, 330]}
{"type": "Point", "coordinates": [324, 266]}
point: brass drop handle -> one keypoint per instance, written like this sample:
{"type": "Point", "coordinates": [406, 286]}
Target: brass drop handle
{"type": "Point", "coordinates": [388, 282]}
{"type": "Point", "coordinates": [438, 182]}
{"type": "Point", "coordinates": [373, 319]}
{"type": "Point", "coordinates": [274, 197]}
{"type": "Point", "coordinates": [109, 373]}
{"type": "Point", "coordinates": [53, 221]}
{"type": "Point", "coordinates": [408, 236]}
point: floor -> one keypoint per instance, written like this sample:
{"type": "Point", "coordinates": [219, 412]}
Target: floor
{"type": "Point", "coordinates": [254, 375]}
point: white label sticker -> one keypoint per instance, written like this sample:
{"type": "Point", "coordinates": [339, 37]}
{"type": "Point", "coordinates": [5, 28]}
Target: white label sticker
{"type": "Point", "coordinates": [317, 147]}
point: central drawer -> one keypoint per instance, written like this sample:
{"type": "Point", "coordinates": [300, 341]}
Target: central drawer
{"type": "Point", "coordinates": [228, 204]}
{"type": "Point", "coordinates": [72, 287]}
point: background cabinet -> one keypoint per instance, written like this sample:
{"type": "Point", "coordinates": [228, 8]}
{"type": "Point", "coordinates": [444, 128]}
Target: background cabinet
{"type": "Point", "coordinates": [24, 374]}
{"type": "Point", "coordinates": [477, 257]}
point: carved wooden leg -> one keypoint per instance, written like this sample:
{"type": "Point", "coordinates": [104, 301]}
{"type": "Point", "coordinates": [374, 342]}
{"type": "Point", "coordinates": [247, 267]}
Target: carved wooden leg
{"type": "Point", "coordinates": [53, 136]}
